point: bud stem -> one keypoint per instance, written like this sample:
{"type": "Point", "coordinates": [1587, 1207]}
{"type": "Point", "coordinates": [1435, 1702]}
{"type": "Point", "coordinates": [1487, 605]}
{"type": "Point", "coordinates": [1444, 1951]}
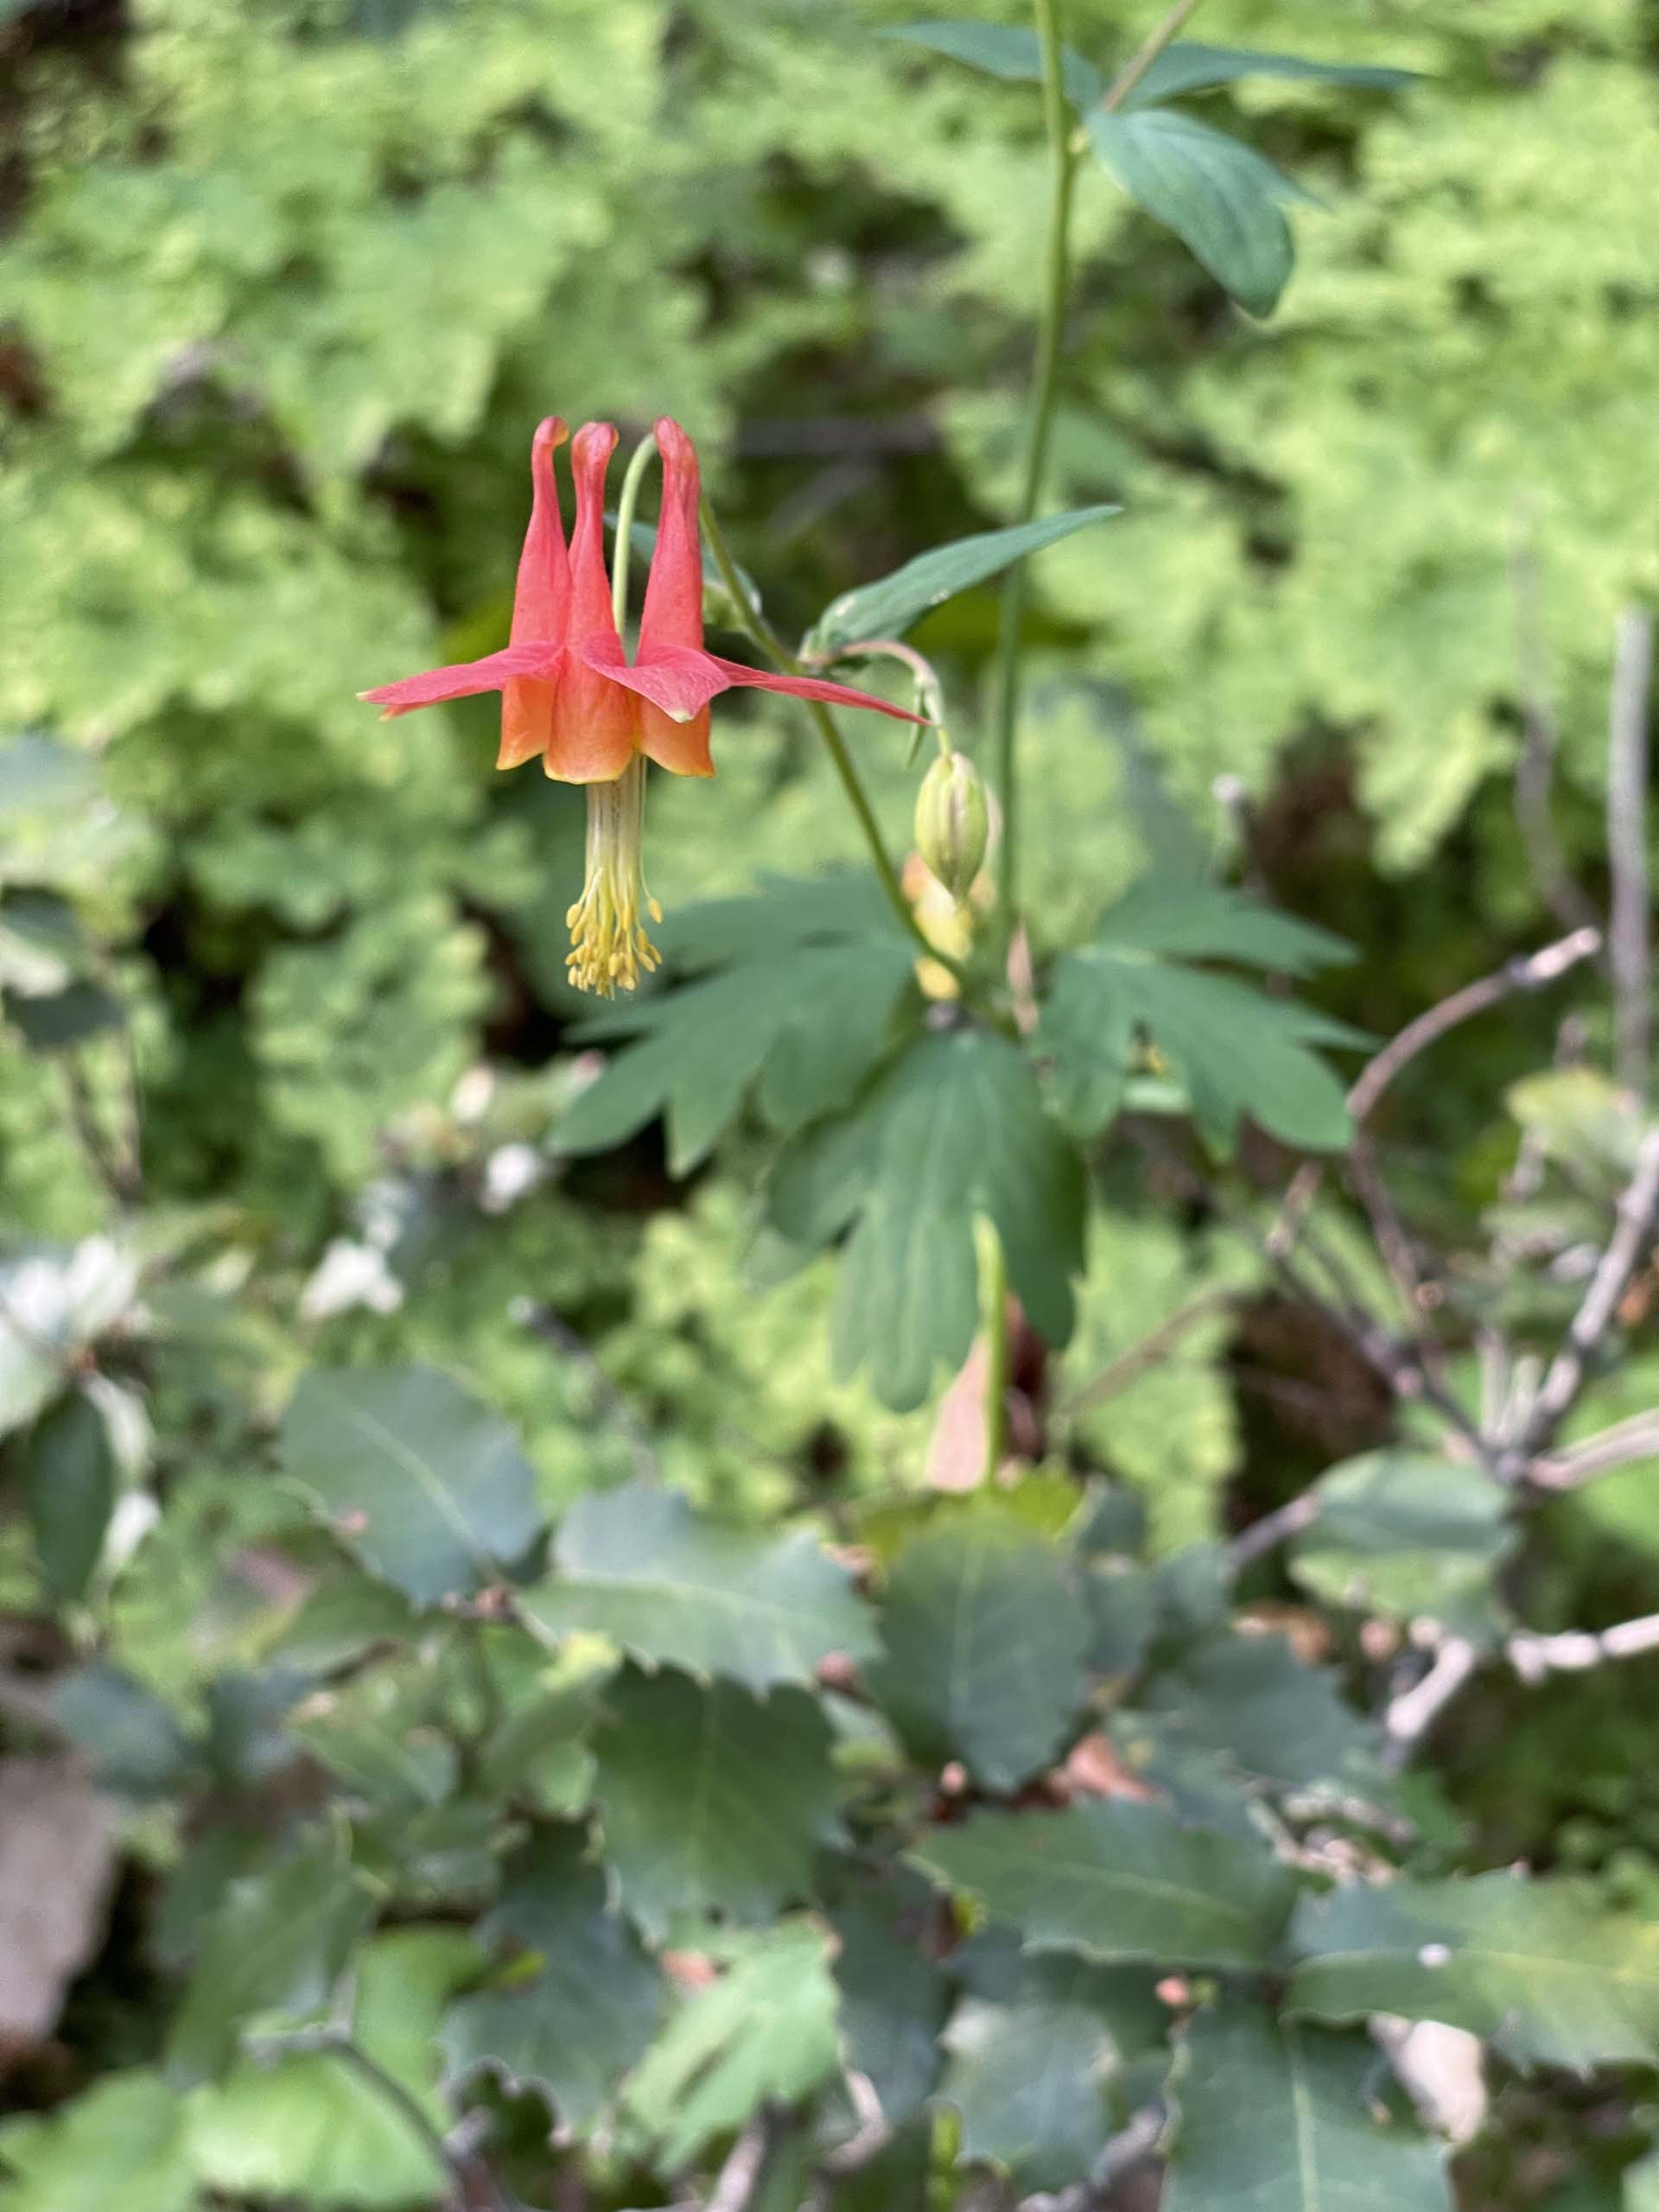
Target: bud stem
{"type": "Point", "coordinates": [622, 542]}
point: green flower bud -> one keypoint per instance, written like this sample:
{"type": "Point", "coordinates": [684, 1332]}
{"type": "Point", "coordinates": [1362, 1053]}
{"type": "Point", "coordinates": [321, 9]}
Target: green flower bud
{"type": "Point", "coordinates": [952, 823]}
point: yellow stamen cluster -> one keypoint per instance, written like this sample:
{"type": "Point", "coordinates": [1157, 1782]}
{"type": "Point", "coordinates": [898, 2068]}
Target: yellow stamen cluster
{"type": "Point", "coordinates": [608, 942]}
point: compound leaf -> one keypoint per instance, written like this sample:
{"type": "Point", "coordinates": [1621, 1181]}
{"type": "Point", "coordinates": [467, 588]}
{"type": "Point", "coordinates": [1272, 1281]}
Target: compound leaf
{"type": "Point", "coordinates": [953, 1130]}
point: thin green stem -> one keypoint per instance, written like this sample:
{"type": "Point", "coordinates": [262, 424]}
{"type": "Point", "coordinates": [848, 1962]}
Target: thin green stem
{"type": "Point", "coordinates": [622, 544]}
{"type": "Point", "coordinates": [994, 1291]}
{"type": "Point", "coordinates": [1039, 422]}
{"type": "Point", "coordinates": [756, 626]}
{"type": "Point", "coordinates": [1064, 149]}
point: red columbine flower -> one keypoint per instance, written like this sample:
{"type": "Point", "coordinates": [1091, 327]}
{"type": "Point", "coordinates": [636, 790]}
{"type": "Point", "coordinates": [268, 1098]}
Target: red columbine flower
{"type": "Point", "coordinates": [569, 692]}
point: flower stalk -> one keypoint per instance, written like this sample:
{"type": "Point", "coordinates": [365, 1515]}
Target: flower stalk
{"type": "Point", "coordinates": [760, 632]}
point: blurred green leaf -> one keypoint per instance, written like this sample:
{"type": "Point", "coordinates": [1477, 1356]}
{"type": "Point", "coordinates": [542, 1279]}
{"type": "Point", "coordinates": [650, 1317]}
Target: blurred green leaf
{"type": "Point", "coordinates": [133, 1738]}
{"type": "Point", "coordinates": [581, 2000]}
{"type": "Point", "coordinates": [276, 1946]}
{"type": "Point", "coordinates": [985, 1639]}
{"type": "Point", "coordinates": [1001, 50]}
{"type": "Point", "coordinates": [953, 1130]}
{"type": "Point", "coordinates": [1250, 1701]}
{"type": "Point", "coordinates": [1220, 198]}
{"type": "Point", "coordinates": [892, 1996]}
{"type": "Point", "coordinates": [1237, 1051]}
{"type": "Point", "coordinates": [310, 2127]}
{"type": "Point", "coordinates": [56, 1020]}
{"type": "Point", "coordinates": [42, 946]}
{"type": "Point", "coordinates": [1189, 67]}
{"type": "Point", "coordinates": [1176, 919]}
{"type": "Point", "coordinates": [765, 2031]}
{"type": "Point", "coordinates": [886, 608]}
{"type": "Point", "coordinates": [1122, 1607]}
{"type": "Point", "coordinates": [122, 2143]}
{"type": "Point", "coordinates": [69, 1479]}
{"type": "Point", "coordinates": [1116, 1881]}
{"type": "Point", "coordinates": [1031, 2078]}
{"type": "Point", "coordinates": [426, 1486]}
{"type": "Point", "coordinates": [1405, 1536]}
{"type": "Point", "coordinates": [640, 1567]}
{"type": "Point", "coordinates": [1539, 1968]}
{"type": "Point", "coordinates": [1272, 2113]}
{"type": "Point", "coordinates": [711, 1800]}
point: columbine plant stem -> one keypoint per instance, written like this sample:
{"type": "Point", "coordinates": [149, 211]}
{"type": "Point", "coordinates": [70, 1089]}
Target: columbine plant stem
{"type": "Point", "coordinates": [1065, 147]}
{"type": "Point", "coordinates": [622, 544]}
{"type": "Point", "coordinates": [1056, 266]}
{"type": "Point", "coordinates": [755, 627]}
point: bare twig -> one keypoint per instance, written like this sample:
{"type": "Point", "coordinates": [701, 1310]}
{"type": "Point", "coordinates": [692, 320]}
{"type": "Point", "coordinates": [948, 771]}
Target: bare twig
{"type": "Point", "coordinates": [1533, 1657]}
{"type": "Point", "coordinates": [1629, 944]}
{"type": "Point", "coordinates": [1634, 1439]}
{"type": "Point", "coordinates": [1532, 973]}
{"type": "Point", "coordinates": [1535, 772]}
{"type": "Point", "coordinates": [1259, 1538]}
{"type": "Point", "coordinates": [1143, 59]}
{"type": "Point", "coordinates": [873, 2134]}
{"type": "Point", "coordinates": [740, 2177]}
{"type": "Point", "coordinates": [1125, 2150]}
{"type": "Point", "coordinates": [1130, 1365]}
{"type": "Point", "coordinates": [1411, 1715]}
{"type": "Point", "coordinates": [1638, 1216]}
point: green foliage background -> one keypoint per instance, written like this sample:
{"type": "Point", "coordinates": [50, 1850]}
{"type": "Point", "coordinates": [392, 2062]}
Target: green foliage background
{"type": "Point", "coordinates": [281, 290]}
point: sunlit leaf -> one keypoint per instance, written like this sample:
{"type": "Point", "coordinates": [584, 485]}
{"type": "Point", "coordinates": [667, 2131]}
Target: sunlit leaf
{"type": "Point", "coordinates": [276, 1946]}
{"type": "Point", "coordinates": [764, 2030]}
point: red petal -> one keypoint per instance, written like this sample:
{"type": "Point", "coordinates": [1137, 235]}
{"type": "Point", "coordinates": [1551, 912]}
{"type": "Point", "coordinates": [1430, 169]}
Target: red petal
{"type": "Point", "coordinates": [590, 587]}
{"type": "Point", "coordinates": [673, 610]}
{"type": "Point", "coordinates": [541, 602]}
{"type": "Point", "coordinates": [807, 687]}
{"type": "Point", "coordinates": [677, 678]}
{"type": "Point", "coordinates": [681, 747]}
{"type": "Point", "coordinates": [463, 678]}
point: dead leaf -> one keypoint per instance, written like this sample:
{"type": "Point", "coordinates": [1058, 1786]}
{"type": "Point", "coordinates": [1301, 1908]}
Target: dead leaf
{"type": "Point", "coordinates": [1094, 1768]}
{"type": "Point", "coordinates": [57, 1865]}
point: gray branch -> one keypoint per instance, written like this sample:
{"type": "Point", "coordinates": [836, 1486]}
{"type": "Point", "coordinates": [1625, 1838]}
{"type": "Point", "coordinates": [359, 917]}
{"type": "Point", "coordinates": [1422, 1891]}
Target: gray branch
{"type": "Point", "coordinates": [1630, 943]}
{"type": "Point", "coordinates": [1639, 1215]}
